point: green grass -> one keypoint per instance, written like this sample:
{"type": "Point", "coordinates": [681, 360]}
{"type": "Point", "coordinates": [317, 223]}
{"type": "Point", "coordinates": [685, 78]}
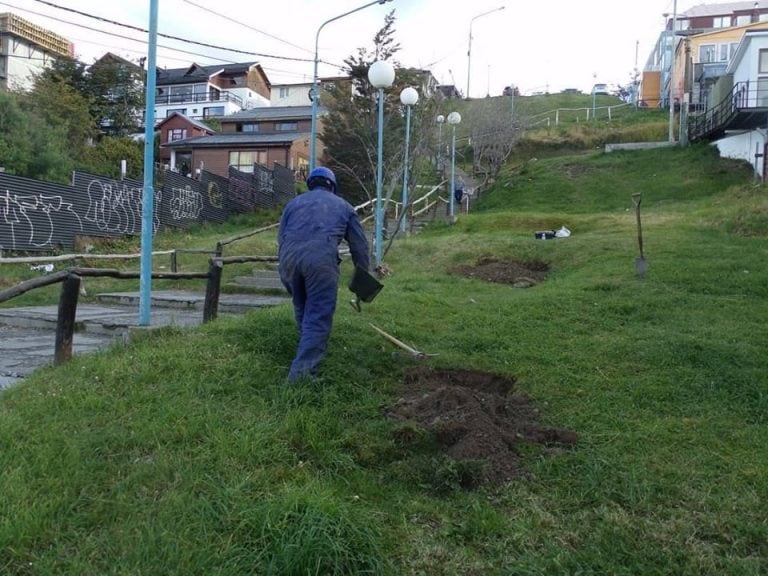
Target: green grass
{"type": "Point", "coordinates": [185, 452]}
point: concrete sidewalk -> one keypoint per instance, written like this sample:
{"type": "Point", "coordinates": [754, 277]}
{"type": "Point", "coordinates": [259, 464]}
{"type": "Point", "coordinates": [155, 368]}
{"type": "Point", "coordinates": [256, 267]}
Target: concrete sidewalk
{"type": "Point", "coordinates": [28, 333]}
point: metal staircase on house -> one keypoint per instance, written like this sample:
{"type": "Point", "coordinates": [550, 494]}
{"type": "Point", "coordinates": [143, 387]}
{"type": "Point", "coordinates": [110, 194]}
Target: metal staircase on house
{"type": "Point", "coordinates": [744, 108]}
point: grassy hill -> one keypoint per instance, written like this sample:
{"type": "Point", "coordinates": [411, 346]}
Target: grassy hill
{"type": "Point", "coordinates": [185, 452]}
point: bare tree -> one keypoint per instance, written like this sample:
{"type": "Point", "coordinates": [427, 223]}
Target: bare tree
{"type": "Point", "coordinates": [494, 131]}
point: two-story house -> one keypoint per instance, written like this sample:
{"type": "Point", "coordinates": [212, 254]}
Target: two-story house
{"type": "Point", "coordinates": [297, 94]}
{"type": "Point", "coordinates": [702, 58]}
{"type": "Point", "coordinates": [175, 128]}
{"type": "Point", "coordinates": [27, 49]}
{"type": "Point", "coordinates": [215, 90]}
{"type": "Point", "coordinates": [655, 80]}
{"type": "Point", "coordinates": [264, 136]}
{"type": "Point", "coordinates": [735, 121]}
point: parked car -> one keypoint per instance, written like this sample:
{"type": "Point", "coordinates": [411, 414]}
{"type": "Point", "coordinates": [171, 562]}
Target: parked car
{"type": "Point", "coordinates": [600, 89]}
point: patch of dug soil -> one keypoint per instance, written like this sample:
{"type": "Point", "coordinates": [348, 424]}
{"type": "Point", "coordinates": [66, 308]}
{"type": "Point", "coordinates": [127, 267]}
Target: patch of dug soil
{"type": "Point", "coordinates": [519, 274]}
{"type": "Point", "coordinates": [475, 416]}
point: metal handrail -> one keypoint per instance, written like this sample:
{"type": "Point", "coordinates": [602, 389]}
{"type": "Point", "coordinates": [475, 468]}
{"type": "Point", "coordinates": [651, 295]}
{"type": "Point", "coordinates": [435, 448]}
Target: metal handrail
{"type": "Point", "coordinates": [742, 97]}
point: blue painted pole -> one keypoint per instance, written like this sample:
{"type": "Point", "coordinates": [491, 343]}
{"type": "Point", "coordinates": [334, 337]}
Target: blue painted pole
{"type": "Point", "coordinates": [379, 181]}
{"type": "Point", "coordinates": [405, 168]}
{"type": "Point", "coordinates": [148, 198]}
{"type": "Point", "coordinates": [453, 169]}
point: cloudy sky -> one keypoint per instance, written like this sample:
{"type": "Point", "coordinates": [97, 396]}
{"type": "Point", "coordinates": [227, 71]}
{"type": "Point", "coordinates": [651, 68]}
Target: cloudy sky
{"type": "Point", "coordinates": [537, 46]}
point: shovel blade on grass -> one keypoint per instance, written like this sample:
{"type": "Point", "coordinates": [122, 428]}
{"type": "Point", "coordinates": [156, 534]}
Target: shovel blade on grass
{"type": "Point", "coordinates": [641, 266]}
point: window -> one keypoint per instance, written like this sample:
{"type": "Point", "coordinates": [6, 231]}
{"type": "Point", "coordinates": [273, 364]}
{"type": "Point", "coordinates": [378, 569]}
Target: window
{"type": "Point", "coordinates": [723, 52]}
{"type": "Point", "coordinates": [706, 53]}
{"type": "Point", "coordinates": [285, 91]}
{"type": "Point", "coordinates": [743, 19]}
{"type": "Point", "coordinates": [721, 22]}
{"type": "Point", "coordinates": [251, 127]}
{"type": "Point", "coordinates": [244, 160]}
{"type": "Point", "coordinates": [180, 93]}
{"type": "Point", "coordinates": [175, 134]}
{"type": "Point", "coordinates": [213, 111]}
{"type": "Point", "coordinates": [286, 126]}
{"type": "Point", "coordinates": [763, 18]}
{"type": "Point", "coordinates": [763, 62]}
{"type": "Point", "coordinates": [172, 110]}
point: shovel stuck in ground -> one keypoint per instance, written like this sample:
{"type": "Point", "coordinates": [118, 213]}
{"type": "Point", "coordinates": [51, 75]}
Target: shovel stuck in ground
{"type": "Point", "coordinates": [641, 264]}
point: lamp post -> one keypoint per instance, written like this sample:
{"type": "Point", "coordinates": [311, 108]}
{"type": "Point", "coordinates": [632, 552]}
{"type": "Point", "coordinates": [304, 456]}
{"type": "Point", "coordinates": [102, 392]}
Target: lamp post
{"type": "Point", "coordinates": [672, 76]}
{"type": "Point", "coordinates": [440, 119]}
{"type": "Point", "coordinates": [381, 75]}
{"type": "Point", "coordinates": [469, 48]}
{"type": "Point", "coordinates": [594, 93]}
{"type": "Point", "coordinates": [453, 119]}
{"type": "Point", "coordinates": [408, 97]}
{"type": "Point", "coordinates": [313, 93]}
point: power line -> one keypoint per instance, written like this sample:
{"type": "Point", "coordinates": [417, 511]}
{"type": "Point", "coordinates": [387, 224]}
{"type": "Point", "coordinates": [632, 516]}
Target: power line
{"type": "Point", "coordinates": [169, 36]}
{"type": "Point", "coordinates": [238, 22]}
{"type": "Point", "coordinates": [112, 34]}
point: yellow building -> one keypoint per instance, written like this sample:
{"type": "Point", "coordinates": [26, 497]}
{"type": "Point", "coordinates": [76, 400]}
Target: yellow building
{"type": "Point", "coordinates": [700, 59]}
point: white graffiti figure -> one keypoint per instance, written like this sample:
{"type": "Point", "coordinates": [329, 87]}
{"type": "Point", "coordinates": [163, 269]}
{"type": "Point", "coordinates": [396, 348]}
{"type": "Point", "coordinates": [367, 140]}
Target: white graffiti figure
{"type": "Point", "coordinates": [186, 204]}
{"type": "Point", "coordinates": [116, 208]}
{"type": "Point", "coordinates": [32, 212]}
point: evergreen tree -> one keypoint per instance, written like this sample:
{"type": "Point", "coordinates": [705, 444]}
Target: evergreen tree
{"type": "Point", "coordinates": [116, 90]}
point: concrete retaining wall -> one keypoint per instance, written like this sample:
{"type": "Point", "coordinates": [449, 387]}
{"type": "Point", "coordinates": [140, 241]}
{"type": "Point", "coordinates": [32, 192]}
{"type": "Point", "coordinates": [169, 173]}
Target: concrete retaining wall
{"type": "Point", "coordinates": [638, 146]}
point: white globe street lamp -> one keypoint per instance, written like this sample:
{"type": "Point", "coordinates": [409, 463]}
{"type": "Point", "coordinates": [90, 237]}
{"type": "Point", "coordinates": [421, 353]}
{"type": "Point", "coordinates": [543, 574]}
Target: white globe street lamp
{"type": "Point", "coordinates": [381, 75]}
{"type": "Point", "coordinates": [453, 119]}
{"type": "Point", "coordinates": [409, 96]}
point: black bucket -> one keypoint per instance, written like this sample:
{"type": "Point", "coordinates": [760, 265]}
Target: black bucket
{"type": "Point", "coordinates": [365, 286]}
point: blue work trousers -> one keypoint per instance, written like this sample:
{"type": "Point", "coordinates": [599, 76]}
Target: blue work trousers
{"type": "Point", "coordinates": [313, 288]}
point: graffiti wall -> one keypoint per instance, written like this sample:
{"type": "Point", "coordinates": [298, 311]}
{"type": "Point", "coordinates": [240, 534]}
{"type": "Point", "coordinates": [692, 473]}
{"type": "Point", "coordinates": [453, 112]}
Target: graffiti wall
{"type": "Point", "coordinates": [44, 216]}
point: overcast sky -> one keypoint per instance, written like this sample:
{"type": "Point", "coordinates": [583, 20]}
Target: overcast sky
{"type": "Point", "coordinates": [535, 45]}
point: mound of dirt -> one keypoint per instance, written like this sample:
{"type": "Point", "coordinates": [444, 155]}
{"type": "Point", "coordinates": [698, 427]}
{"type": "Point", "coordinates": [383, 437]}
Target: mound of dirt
{"type": "Point", "coordinates": [519, 274]}
{"type": "Point", "coordinates": [475, 416]}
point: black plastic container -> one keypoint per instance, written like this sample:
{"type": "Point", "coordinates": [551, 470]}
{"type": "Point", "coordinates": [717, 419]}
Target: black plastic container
{"type": "Point", "coordinates": [365, 286]}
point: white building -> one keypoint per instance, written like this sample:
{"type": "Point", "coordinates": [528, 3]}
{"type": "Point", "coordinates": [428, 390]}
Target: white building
{"type": "Point", "coordinates": [26, 50]}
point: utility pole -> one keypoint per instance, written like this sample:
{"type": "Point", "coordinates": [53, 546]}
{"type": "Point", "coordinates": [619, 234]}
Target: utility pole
{"type": "Point", "coordinates": [672, 76]}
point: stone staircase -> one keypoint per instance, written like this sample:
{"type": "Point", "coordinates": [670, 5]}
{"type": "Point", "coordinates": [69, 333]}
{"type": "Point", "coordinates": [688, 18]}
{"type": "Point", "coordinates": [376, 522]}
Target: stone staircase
{"type": "Point", "coordinates": [262, 281]}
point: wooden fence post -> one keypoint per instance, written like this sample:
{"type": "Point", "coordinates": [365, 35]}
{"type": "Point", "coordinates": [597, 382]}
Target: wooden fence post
{"type": "Point", "coordinates": [65, 324]}
{"type": "Point", "coordinates": [212, 290]}
{"type": "Point", "coordinates": [174, 263]}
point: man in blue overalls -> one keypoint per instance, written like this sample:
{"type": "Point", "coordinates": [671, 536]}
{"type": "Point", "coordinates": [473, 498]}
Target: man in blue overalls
{"type": "Point", "coordinates": [311, 228]}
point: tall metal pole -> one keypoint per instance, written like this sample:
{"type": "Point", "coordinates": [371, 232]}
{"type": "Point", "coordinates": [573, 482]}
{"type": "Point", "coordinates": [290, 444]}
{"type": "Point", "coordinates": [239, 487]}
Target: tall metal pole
{"type": "Point", "coordinates": [314, 92]}
{"type": "Point", "coordinates": [379, 180]}
{"type": "Point", "coordinates": [453, 170]}
{"type": "Point", "coordinates": [672, 76]}
{"type": "Point", "coordinates": [405, 169]}
{"type": "Point", "coordinates": [148, 197]}
{"type": "Point", "coordinates": [469, 45]}
{"type": "Point", "coordinates": [594, 95]}
{"type": "Point", "coordinates": [440, 147]}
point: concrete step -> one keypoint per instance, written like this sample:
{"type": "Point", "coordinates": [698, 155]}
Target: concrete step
{"type": "Point", "coordinates": [261, 279]}
{"type": "Point", "coordinates": [255, 283]}
{"type": "Point", "coordinates": [228, 303]}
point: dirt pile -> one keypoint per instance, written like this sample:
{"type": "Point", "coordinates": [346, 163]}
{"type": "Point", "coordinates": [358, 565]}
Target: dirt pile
{"type": "Point", "coordinates": [518, 274]}
{"type": "Point", "coordinates": [475, 416]}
